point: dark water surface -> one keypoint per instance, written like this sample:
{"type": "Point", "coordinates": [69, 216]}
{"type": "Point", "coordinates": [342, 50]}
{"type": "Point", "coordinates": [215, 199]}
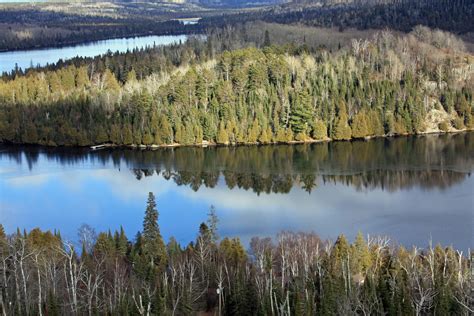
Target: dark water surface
{"type": "Point", "coordinates": [413, 189]}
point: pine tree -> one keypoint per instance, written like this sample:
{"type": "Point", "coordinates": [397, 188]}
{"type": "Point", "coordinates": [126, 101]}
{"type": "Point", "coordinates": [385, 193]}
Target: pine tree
{"type": "Point", "coordinates": [254, 131]}
{"type": "Point", "coordinates": [178, 135]}
{"type": "Point", "coordinates": [52, 305]}
{"type": "Point", "coordinates": [82, 78]}
{"type": "Point", "coordinates": [375, 126]}
{"type": "Point", "coordinates": [342, 130]}
{"type": "Point", "coordinates": [264, 137]}
{"type": "Point", "coordinates": [115, 134]}
{"type": "Point", "coordinates": [153, 246]}
{"type": "Point", "coordinates": [147, 138]}
{"type": "Point", "coordinates": [127, 135]}
{"type": "Point", "coordinates": [173, 247]}
{"type": "Point", "coordinates": [109, 81]}
{"type": "Point", "coordinates": [289, 136]}
{"type": "Point", "coordinates": [361, 258]}
{"type": "Point", "coordinates": [280, 135]}
{"type": "Point", "coordinates": [266, 41]}
{"type": "Point", "coordinates": [360, 125]}
{"type": "Point", "coordinates": [3, 241]}
{"type": "Point", "coordinates": [301, 113]}
{"type": "Point", "coordinates": [212, 221]}
{"type": "Point", "coordinates": [67, 78]}
{"type": "Point", "coordinates": [101, 136]}
{"type": "Point", "coordinates": [319, 130]}
{"type": "Point", "coordinates": [222, 137]}
{"type": "Point", "coordinates": [164, 134]}
{"type": "Point", "coordinates": [104, 245]}
{"type": "Point", "coordinates": [131, 76]}
{"type": "Point", "coordinates": [121, 242]}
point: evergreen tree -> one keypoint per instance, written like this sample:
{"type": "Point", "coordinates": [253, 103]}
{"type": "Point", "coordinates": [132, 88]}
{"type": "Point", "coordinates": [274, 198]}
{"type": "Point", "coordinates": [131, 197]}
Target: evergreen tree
{"type": "Point", "coordinates": [222, 136]}
{"type": "Point", "coordinates": [319, 130]}
{"type": "Point", "coordinates": [342, 130]}
{"type": "Point", "coordinates": [121, 242]}
{"type": "Point", "coordinates": [212, 221]}
{"type": "Point", "coordinates": [266, 41]}
{"type": "Point", "coordinates": [131, 76]}
{"type": "Point", "coordinates": [153, 246]}
{"type": "Point", "coordinates": [359, 125]}
{"type": "Point", "coordinates": [253, 132]}
{"type": "Point", "coordinates": [361, 258]}
{"type": "Point", "coordinates": [301, 113]}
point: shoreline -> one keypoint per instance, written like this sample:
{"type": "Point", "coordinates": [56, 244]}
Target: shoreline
{"type": "Point", "coordinates": [91, 42]}
{"type": "Point", "coordinates": [206, 144]}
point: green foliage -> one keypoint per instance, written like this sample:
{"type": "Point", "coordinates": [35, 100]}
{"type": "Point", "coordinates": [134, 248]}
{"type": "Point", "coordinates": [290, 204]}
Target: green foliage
{"type": "Point", "coordinates": [258, 96]}
{"type": "Point", "coordinates": [342, 130]}
{"type": "Point", "coordinates": [253, 132]}
{"type": "Point", "coordinates": [222, 137]}
{"type": "Point", "coordinates": [458, 123]}
{"type": "Point", "coordinates": [360, 126]}
{"type": "Point", "coordinates": [301, 113]}
{"type": "Point", "coordinates": [299, 270]}
{"type": "Point", "coordinates": [319, 130]}
{"type": "Point", "coordinates": [233, 251]}
{"type": "Point", "coordinates": [110, 82]}
{"type": "Point", "coordinates": [105, 245]}
{"type": "Point", "coordinates": [152, 245]}
{"type": "Point", "coordinates": [444, 126]}
{"type": "Point", "coordinates": [361, 256]}
{"type": "Point", "coordinates": [265, 136]}
{"type": "Point", "coordinates": [266, 41]}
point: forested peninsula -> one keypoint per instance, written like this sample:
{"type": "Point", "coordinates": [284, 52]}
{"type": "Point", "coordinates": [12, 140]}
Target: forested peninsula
{"type": "Point", "coordinates": [230, 88]}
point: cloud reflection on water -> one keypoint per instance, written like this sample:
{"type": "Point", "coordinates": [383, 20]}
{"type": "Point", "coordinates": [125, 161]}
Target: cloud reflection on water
{"type": "Point", "coordinates": [406, 197]}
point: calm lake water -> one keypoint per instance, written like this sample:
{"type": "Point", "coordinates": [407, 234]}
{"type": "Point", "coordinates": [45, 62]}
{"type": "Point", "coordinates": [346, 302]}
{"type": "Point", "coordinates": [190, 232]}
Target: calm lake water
{"type": "Point", "coordinates": [26, 58]}
{"type": "Point", "coordinates": [413, 189]}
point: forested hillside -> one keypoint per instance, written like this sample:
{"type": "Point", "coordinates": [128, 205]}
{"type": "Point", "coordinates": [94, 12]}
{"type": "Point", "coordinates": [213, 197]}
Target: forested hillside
{"type": "Point", "coordinates": [294, 274]}
{"type": "Point", "coordinates": [188, 94]}
{"type": "Point", "coordinates": [27, 28]}
{"type": "Point", "coordinates": [450, 15]}
{"type": "Point", "coordinates": [36, 25]}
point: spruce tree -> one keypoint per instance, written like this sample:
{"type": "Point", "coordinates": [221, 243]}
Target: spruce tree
{"type": "Point", "coordinates": [319, 130]}
{"type": "Point", "coordinates": [266, 41]}
{"type": "Point", "coordinates": [153, 246]}
{"type": "Point", "coordinates": [3, 241]}
{"type": "Point", "coordinates": [222, 136]}
{"type": "Point", "coordinates": [360, 125]}
{"type": "Point", "coordinates": [342, 130]}
{"type": "Point", "coordinates": [121, 242]}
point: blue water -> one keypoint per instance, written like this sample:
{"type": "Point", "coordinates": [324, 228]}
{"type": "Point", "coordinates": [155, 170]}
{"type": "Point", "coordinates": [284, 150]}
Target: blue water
{"type": "Point", "coordinates": [412, 190]}
{"type": "Point", "coordinates": [27, 58]}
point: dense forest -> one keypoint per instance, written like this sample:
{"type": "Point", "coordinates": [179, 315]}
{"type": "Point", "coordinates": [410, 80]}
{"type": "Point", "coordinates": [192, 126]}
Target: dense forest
{"type": "Point", "coordinates": [74, 29]}
{"type": "Point", "coordinates": [196, 94]}
{"type": "Point", "coordinates": [294, 274]}
{"type": "Point", "coordinates": [450, 15]}
{"type": "Point", "coordinates": [46, 25]}
{"type": "Point", "coordinates": [300, 74]}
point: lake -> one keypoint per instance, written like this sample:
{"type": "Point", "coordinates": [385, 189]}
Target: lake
{"type": "Point", "coordinates": [412, 189]}
{"type": "Point", "coordinates": [26, 58]}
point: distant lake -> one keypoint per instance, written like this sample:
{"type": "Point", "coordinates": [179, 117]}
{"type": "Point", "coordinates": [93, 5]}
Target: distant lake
{"type": "Point", "coordinates": [412, 189]}
{"type": "Point", "coordinates": [27, 58]}
{"type": "Point", "coordinates": [22, 1]}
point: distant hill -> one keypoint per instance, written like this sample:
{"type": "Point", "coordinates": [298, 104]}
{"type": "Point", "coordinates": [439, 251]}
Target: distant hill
{"type": "Point", "coordinates": [456, 16]}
